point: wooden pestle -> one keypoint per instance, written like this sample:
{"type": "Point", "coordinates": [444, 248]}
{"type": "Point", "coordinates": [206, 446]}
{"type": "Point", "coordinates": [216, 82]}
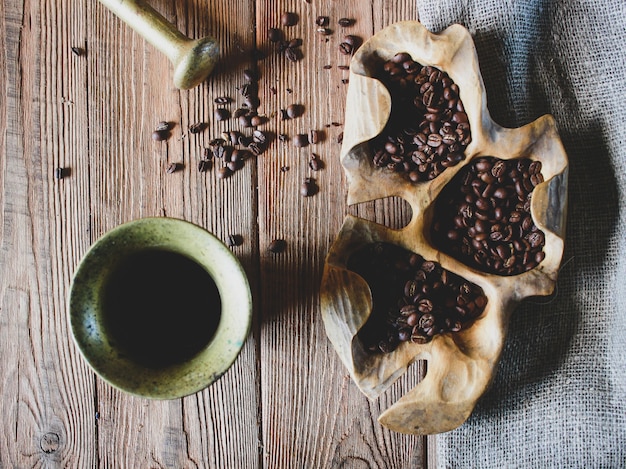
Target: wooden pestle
{"type": "Point", "coordinates": [193, 60]}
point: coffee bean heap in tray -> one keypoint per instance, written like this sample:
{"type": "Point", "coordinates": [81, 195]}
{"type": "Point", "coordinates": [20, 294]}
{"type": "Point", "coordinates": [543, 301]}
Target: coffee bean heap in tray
{"type": "Point", "coordinates": [428, 128]}
{"type": "Point", "coordinates": [483, 219]}
{"type": "Point", "coordinates": [413, 299]}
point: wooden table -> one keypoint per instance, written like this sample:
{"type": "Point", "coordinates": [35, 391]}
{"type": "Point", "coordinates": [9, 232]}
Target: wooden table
{"type": "Point", "coordinates": [287, 402]}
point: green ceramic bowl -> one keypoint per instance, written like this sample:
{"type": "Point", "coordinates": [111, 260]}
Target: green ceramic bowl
{"type": "Point", "coordinates": [160, 308]}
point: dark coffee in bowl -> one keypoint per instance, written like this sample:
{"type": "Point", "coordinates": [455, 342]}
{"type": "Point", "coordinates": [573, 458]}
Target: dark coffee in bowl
{"type": "Point", "coordinates": [161, 307]}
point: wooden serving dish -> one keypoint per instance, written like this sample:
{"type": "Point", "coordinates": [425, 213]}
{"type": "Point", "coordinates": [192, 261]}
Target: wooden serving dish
{"type": "Point", "coordinates": [460, 364]}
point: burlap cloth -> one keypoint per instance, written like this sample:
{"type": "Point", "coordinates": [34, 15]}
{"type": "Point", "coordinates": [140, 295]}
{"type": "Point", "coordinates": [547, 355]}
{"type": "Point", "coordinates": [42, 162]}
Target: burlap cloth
{"type": "Point", "coordinates": [559, 398]}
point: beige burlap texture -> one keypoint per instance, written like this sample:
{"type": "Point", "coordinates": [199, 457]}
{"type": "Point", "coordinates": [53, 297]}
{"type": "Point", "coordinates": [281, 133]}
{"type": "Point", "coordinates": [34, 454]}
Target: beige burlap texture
{"type": "Point", "coordinates": [559, 397]}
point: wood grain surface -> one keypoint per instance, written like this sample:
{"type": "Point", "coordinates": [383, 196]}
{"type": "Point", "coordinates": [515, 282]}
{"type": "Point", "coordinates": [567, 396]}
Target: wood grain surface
{"type": "Point", "coordinates": [287, 402]}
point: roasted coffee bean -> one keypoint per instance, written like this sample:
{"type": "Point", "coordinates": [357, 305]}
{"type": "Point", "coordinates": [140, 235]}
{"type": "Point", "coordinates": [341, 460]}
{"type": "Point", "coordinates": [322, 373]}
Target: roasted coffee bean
{"type": "Point", "coordinates": [322, 21]}
{"type": "Point", "coordinates": [77, 51]}
{"type": "Point", "coordinates": [277, 246]}
{"type": "Point", "coordinates": [221, 114]}
{"type": "Point", "coordinates": [197, 127]}
{"type": "Point", "coordinates": [315, 163]}
{"type": "Point", "coordinates": [160, 135]}
{"type": "Point", "coordinates": [172, 167]}
{"type": "Point", "coordinates": [301, 140]}
{"type": "Point", "coordinates": [413, 299]}
{"type": "Point", "coordinates": [314, 136]}
{"type": "Point", "coordinates": [204, 165]}
{"type": "Point", "coordinates": [59, 173]}
{"type": "Point", "coordinates": [259, 137]}
{"type": "Point", "coordinates": [346, 48]}
{"type": "Point", "coordinates": [224, 172]}
{"type": "Point", "coordinates": [294, 110]}
{"type": "Point", "coordinates": [274, 34]}
{"type": "Point", "coordinates": [163, 126]}
{"type": "Point", "coordinates": [308, 187]}
{"type": "Point", "coordinates": [292, 54]}
{"type": "Point", "coordinates": [346, 22]}
{"type": "Point", "coordinates": [484, 217]}
{"type": "Point", "coordinates": [289, 18]}
{"type": "Point", "coordinates": [234, 240]}
{"type": "Point", "coordinates": [324, 32]}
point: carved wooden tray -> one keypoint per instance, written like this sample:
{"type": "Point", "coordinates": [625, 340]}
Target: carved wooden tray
{"type": "Point", "coordinates": [460, 364]}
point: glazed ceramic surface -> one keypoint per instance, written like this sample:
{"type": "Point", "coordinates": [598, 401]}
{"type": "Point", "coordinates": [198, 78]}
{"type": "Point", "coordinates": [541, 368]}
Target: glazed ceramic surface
{"type": "Point", "coordinates": [87, 314]}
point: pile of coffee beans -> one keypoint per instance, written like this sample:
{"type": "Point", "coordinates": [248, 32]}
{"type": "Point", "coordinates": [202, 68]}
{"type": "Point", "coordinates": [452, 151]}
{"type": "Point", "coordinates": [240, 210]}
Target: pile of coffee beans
{"type": "Point", "coordinates": [413, 299]}
{"type": "Point", "coordinates": [482, 217]}
{"type": "Point", "coordinates": [428, 129]}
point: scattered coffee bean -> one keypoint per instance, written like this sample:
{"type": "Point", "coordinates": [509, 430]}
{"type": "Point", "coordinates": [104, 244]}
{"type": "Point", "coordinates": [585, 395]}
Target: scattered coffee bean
{"type": "Point", "coordinates": [221, 114]}
{"type": "Point", "coordinates": [289, 18]}
{"type": "Point", "coordinates": [322, 21]}
{"type": "Point", "coordinates": [484, 219]}
{"type": "Point", "coordinates": [343, 67]}
{"type": "Point", "coordinates": [301, 140]}
{"type": "Point", "coordinates": [208, 154]}
{"type": "Point", "coordinates": [224, 172]}
{"type": "Point", "coordinates": [234, 240]}
{"type": "Point", "coordinates": [340, 138]}
{"type": "Point", "coordinates": [324, 31]}
{"type": "Point", "coordinates": [315, 136]}
{"type": "Point", "coordinates": [346, 22]}
{"type": "Point", "coordinates": [315, 163]}
{"type": "Point", "coordinates": [163, 126]}
{"type": "Point", "coordinates": [327, 67]}
{"type": "Point", "coordinates": [257, 120]}
{"type": "Point", "coordinates": [274, 35]}
{"type": "Point", "coordinates": [59, 173]}
{"type": "Point", "coordinates": [284, 169]}
{"type": "Point", "coordinates": [308, 187]}
{"type": "Point", "coordinates": [244, 121]}
{"type": "Point", "coordinates": [160, 135]}
{"type": "Point", "coordinates": [222, 100]}
{"type": "Point", "coordinates": [172, 168]}
{"type": "Point", "coordinates": [204, 165]}
{"type": "Point", "coordinates": [283, 137]}
{"type": "Point", "coordinates": [426, 132]}
{"type": "Point", "coordinates": [413, 299]}
{"type": "Point", "coordinates": [346, 48]}
{"type": "Point", "coordinates": [197, 127]}
{"type": "Point", "coordinates": [277, 246]}
{"type": "Point", "coordinates": [78, 51]}
{"type": "Point", "coordinates": [259, 137]}
{"type": "Point", "coordinates": [294, 110]}
{"type": "Point", "coordinates": [292, 54]}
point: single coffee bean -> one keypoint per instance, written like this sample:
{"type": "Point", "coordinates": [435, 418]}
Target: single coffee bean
{"type": "Point", "coordinates": [204, 165]}
{"type": "Point", "coordinates": [59, 173]}
{"type": "Point", "coordinates": [301, 140]}
{"type": "Point", "coordinates": [294, 110]}
{"type": "Point", "coordinates": [346, 48]}
{"type": "Point", "coordinates": [163, 126]}
{"type": "Point", "coordinates": [234, 240]}
{"type": "Point", "coordinates": [346, 22]}
{"type": "Point", "coordinates": [160, 135]}
{"type": "Point", "coordinates": [221, 114]}
{"type": "Point", "coordinates": [289, 18]}
{"type": "Point", "coordinates": [197, 127]}
{"type": "Point", "coordinates": [322, 20]}
{"type": "Point", "coordinates": [314, 136]}
{"type": "Point", "coordinates": [172, 167]}
{"type": "Point", "coordinates": [274, 34]}
{"type": "Point", "coordinates": [224, 172]}
{"type": "Point", "coordinates": [277, 246]}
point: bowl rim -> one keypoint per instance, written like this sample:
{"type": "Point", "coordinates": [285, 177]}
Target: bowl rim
{"type": "Point", "coordinates": [174, 235]}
